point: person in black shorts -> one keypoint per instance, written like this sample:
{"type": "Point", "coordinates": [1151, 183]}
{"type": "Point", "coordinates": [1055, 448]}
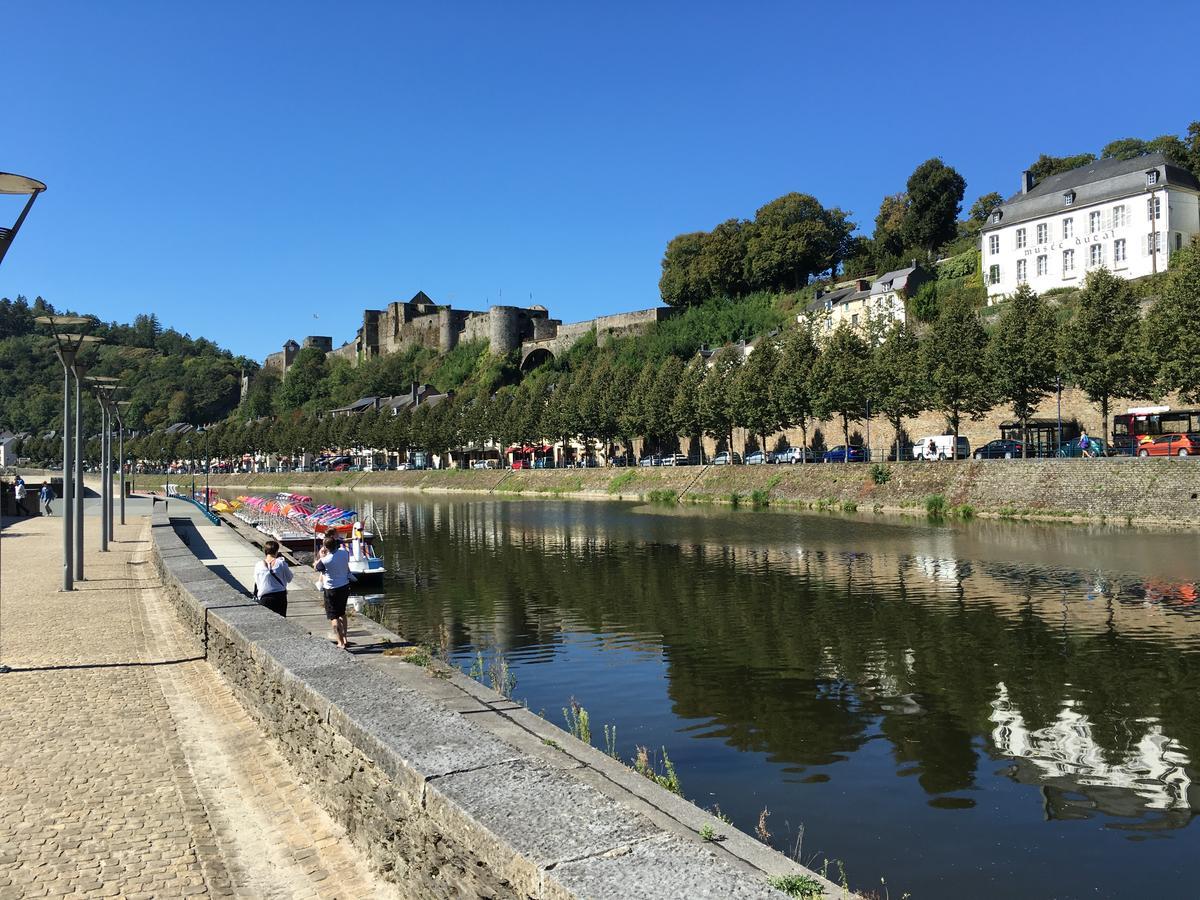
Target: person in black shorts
{"type": "Point", "coordinates": [272, 575]}
{"type": "Point", "coordinates": [333, 569]}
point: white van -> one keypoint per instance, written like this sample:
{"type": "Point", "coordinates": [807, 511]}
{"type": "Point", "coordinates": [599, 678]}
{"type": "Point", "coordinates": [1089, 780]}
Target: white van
{"type": "Point", "coordinates": [940, 446]}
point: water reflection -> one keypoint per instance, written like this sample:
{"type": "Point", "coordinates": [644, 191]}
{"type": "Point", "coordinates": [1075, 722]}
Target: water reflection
{"type": "Point", "coordinates": [1015, 676]}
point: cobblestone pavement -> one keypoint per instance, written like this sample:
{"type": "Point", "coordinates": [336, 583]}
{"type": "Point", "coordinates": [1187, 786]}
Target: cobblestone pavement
{"type": "Point", "coordinates": [127, 767]}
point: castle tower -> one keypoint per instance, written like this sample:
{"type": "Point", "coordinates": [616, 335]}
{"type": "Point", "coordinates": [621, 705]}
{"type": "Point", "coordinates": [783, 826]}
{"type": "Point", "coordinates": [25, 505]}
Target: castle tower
{"type": "Point", "coordinates": [504, 329]}
{"type": "Point", "coordinates": [447, 335]}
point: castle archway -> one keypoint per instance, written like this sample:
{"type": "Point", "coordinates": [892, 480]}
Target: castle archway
{"type": "Point", "coordinates": [536, 357]}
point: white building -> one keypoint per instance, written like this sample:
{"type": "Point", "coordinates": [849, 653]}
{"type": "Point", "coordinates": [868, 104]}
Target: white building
{"type": "Point", "coordinates": [1128, 215]}
{"type": "Point", "coordinates": [867, 305]}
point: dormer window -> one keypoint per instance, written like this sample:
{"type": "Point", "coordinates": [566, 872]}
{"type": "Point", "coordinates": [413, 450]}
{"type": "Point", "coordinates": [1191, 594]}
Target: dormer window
{"type": "Point", "coordinates": [1152, 178]}
{"type": "Point", "coordinates": [1069, 198]}
{"type": "Point", "coordinates": [996, 215]}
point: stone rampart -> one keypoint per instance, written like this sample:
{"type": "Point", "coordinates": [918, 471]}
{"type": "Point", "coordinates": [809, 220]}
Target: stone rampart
{"type": "Point", "coordinates": [438, 803]}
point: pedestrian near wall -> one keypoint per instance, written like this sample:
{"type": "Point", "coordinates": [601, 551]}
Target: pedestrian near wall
{"type": "Point", "coordinates": [272, 575]}
{"type": "Point", "coordinates": [333, 568]}
{"type": "Point", "coordinates": [19, 496]}
{"type": "Point", "coordinates": [46, 496]}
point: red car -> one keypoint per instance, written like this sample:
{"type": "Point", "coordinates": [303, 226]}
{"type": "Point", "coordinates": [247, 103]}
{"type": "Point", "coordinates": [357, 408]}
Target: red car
{"type": "Point", "coordinates": [522, 464]}
{"type": "Point", "coordinates": [1170, 445]}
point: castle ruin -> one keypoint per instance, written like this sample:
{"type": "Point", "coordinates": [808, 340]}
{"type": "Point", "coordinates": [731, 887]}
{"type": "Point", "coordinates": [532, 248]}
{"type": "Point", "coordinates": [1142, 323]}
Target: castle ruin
{"type": "Point", "coordinates": [420, 322]}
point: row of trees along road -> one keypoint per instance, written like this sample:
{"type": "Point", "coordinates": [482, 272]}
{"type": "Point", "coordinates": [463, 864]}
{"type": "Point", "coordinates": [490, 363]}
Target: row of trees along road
{"type": "Point", "coordinates": [1096, 341]}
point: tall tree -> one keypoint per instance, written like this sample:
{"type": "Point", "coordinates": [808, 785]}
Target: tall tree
{"type": "Point", "coordinates": [716, 395]}
{"type": "Point", "coordinates": [1023, 357]}
{"type": "Point", "coordinates": [686, 414]}
{"type": "Point", "coordinates": [1100, 349]}
{"type": "Point", "coordinates": [720, 267]}
{"type": "Point", "coordinates": [898, 384]}
{"type": "Point", "coordinates": [795, 237]}
{"type": "Point", "coordinates": [790, 384]}
{"type": "Point", "coordinates": [838, 381]}
{"type": "Point", "coordinates": [982, 208]}
{"type": "Point", "coordinates": [889, 226]}
{"type": "Point", "coordinates": [680, 284]}
{"type": "Point", "coordinates": [1173, 326]}
{"type": "Point", "coordinates": [755, 407]}
{"type": "Point", "coordinates": [935, 193]}
{"type": "Point", "coordinates": [953, 355]}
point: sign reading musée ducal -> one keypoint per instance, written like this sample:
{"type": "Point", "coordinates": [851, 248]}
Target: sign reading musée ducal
{"type": "Point", "coordinates": [1069, 243]}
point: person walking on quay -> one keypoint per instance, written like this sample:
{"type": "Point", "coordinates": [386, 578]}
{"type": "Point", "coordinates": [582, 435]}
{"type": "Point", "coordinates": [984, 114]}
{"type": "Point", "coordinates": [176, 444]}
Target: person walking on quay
{"type": "Point", "coordinates": [272, 575]}
{"type": "Point", "coordinates": [46, 496]}
{"type": "Point", "coordinates": [333, 567]}
{"type": "Point", "coordinates": [1085, 443]}
{"type": "Point", "coordinates": [19, 495]}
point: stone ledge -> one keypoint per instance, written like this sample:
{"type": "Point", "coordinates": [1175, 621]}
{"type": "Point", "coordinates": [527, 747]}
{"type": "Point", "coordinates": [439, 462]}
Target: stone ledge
{"type": "Point", "coordinates": [432, 798]}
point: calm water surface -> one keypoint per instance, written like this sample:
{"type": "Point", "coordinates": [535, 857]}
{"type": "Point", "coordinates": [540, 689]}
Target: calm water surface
{"type": "Point", "coordinates": [984, 710]}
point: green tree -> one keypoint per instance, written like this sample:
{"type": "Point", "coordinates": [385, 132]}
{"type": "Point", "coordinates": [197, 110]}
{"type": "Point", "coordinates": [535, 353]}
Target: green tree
{"type": "Point", "coordinates": [790, 384]}
{"type": "Point", "coordinates": [888, 240]}
{"type": "Point", "coordinates": [898, 385]}
{"type": "Point", "coordinates": [795, 237]}
{"type": "Point", "coordinates": [1173, 326]}
{"type": "Point", "coordinates": [303, 381]}
{"type": "Point", "coordinates": [686, 415]}
{"type": "Point", "coordinates": [954, 357]}
{"type": "Point", "coordinates": [935, 193]}
{"type": "Point", "coordinates": [681, 284]}
{"type": "Point", "coordinates": [1022, 355]}
{"type": "Point", "coordinates": [982, 208]}
{"type": "Point", "coordinates": [839, 382]}
{"type": "Point", "coordinates": [1045, 166]}
{"type": "Point", "coordinates": [1100, 349]}
{"type": "Point", "coordinates": [717, 395]}
{"type": "Point", "coordinates": [720, 267]}
{"type": "Point", "coordinates": [755, 406]}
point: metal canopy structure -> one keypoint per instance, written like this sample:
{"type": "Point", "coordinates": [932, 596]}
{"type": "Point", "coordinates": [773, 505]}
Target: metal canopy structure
{"type": "Point", "coordinates": [21, 186]}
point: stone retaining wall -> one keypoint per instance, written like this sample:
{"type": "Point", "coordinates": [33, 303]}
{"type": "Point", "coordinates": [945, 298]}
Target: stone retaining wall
{"type": "Point", "coordinates": [1147, 491]}
{"type": "Point", "coordinates": [437, 803]}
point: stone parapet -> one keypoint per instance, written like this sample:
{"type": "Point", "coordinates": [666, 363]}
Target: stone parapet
{"type": "Point", "coordinates": [439, 804]}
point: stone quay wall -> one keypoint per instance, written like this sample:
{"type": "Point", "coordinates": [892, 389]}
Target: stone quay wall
{"type": "Point", "coordinates": [1138, 491]}
{"type": "Point", "coordinates": [437, 803]}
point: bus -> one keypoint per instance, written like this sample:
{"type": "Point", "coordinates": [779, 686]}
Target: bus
{"type": "Point", "coordinates": [1130, 426]}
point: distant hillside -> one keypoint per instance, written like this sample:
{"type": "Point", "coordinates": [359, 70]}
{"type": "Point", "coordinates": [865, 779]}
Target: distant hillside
{"type": "Point", "coordinates": [170, 377]}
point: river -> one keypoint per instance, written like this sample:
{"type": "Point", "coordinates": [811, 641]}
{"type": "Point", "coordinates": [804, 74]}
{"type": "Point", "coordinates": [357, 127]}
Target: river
{"type": "Point", "coordinates": [981, 709]}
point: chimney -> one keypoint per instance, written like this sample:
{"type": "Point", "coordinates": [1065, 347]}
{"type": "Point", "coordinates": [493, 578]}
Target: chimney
{"type": "Point", "coordinates": [1026, 182]}
{"type": "Point", "coordinates": [864, 284]}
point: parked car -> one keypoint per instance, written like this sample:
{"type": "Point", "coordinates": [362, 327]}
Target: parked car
{"type": "Point", "coordinates": [1000, 449]}
{"type": "Point", "coordinates": [841, 453]}
{"type": "Point", "coordinates": [941, 446]}
{"type": "Point", "coordinates": [1170, 445]}
{"type": "Point", "coordinates": [483, 464]}
{"type": "Point", "coordinates": [1071, 449]}
{"type": "Point", "coordinates": [652, 460]}
{"type": "Point", "coordinates": [621, 460]}
{"type": "Point", "coordinates": [676, 459]}
{"type": "Point", "coordinates": [794, 455]}
{"type": "Point", "coordinates": [757, 458]}
{"type": "Point", "coordinates": [727, 459]}
{"type": "Point", "coordinates": [522, 464]}
{"type": "Point", "coordinates": [544, 462]}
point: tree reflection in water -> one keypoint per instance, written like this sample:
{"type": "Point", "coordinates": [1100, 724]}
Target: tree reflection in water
{"type": "Point", "coordinates": [1059, 660]}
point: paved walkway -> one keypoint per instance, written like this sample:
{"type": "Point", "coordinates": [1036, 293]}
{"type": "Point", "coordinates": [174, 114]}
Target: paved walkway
{"type": "Point", "coordinates": [128, 767]}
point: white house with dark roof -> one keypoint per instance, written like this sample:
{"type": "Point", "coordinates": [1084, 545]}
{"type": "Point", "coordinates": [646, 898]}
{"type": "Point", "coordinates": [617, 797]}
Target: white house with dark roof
{"type": "Point", "coordinates": [880, 300]}
{"type": "Point", "coordinates": [1127, 215]}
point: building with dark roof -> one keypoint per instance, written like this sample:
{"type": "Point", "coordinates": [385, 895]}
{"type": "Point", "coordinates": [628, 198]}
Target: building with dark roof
{"type": "Point", "coordinates": [1127, 215]}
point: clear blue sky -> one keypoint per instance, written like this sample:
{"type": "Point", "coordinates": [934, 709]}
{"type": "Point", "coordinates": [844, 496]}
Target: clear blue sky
{"type": "Point", "coordinates": [240, 167]}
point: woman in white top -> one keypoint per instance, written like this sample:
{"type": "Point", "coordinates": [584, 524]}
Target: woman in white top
{"type": "Point", "coordinates": [271, 578]}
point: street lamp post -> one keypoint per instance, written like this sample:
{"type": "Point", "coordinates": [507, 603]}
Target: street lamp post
{"type": "Point", "coordinates": [17, 184]}
{"type": "Point", "coordinates": [103, 386]}
{"type": "Point", "coordinates": [68, 347]}
{"type": "Point", "coordinates": [207, 464]}
{"type": "Point", "coordinates": [121, 456]}
{"type": "Point", "coordinates": [80, 371]}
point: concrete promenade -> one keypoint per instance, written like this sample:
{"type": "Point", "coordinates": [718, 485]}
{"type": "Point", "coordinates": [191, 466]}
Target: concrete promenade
{"type": "Point", "coordinates": [128, 767]}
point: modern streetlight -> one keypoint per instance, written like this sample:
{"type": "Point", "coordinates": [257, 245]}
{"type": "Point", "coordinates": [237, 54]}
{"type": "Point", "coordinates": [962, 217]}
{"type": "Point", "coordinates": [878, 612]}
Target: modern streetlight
{"type": "Point", "coordinates": [207, 464]}
{"type": "Point", "coordinates": [68, 347]}
{"type": "Point", "coordinates": [121, 455]}
{"type": "Point", "coordinates": [17, 184]}
{"type": "Point", "coordinates": [104, 386]}
{"type": "Point", "coordinates": [80, 372]}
